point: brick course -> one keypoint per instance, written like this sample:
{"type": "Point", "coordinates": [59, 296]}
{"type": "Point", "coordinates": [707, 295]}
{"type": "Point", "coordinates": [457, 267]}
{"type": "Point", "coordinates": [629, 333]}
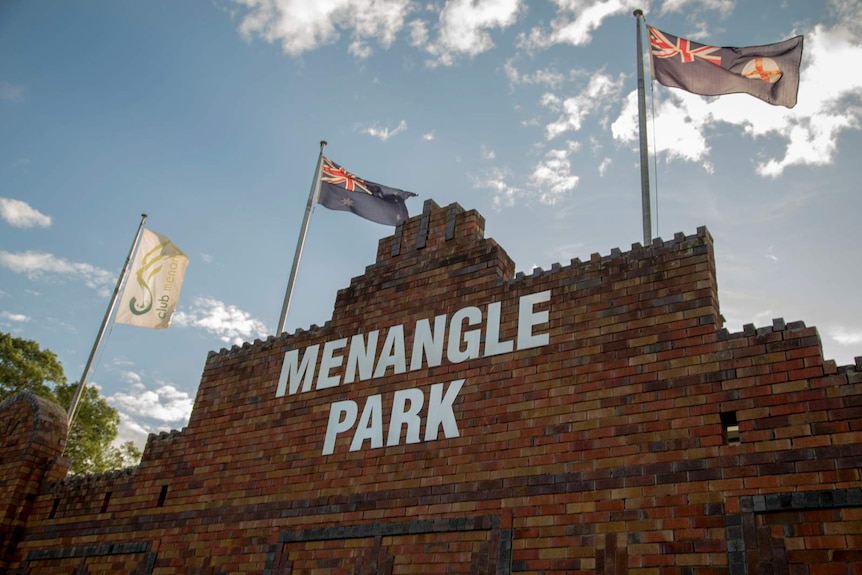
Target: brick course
{"type": "Point", "coordinates": [603, 451]}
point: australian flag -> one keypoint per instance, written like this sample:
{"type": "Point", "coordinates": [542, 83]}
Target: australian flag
{"type": "Point", "coordinates": [769, 72]}
{"type": "Point", "coordinates": [341, 190]}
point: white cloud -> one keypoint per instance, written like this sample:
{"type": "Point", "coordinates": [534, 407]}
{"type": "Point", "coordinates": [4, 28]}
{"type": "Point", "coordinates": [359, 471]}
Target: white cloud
{"type": "Point", "coordinates": [428, 137]}
{"type": "Point", "coordinates": [846, 337]}
{"type": "Point", "coordinates": [497, 179]}
{"type": "Point", "coordinates": [543, 77]}
{"type": "Point", "coordinates": [512, 72]}
{"type": "Point", "coordinates": [553, 175]}
{"type": "Point", "coordinates": [360, 49]}
{"type": "Point", "coordinates": [418, 33]}
{"type": "Point", "coordinates": [550, 78]}
{"type": "Point", "coordinates": [11, 92]}
{"type": "Point", "coordinates": [830, 101]}
{"type": "Point", "coordinates": [462, 29]}
{"type": "Point", "coordinates": [131, 377]}
{"type": "Point", "coordinates": [134, 431]}
{"type": "Point", "coordinates": [19, 317]}
{"type": "Point", "coordinates": [37, 264]}
{"type": "Point", "coordinates": [21, 215]}
{"type": "Point", "coordinates": [227, 322]}
{"type": "Point", "coordinates": [723, 6]}
{"type": "Point", "coordinates": [487, 153]}
{"type": "Point", "coordinates": [166, 404]}
{"type": "Point", "coordinates": [143, 410]}
{"type": "Point", "coordinates": [382, 134]}
{"type": "Point", "coordinates": [600, 90]}
{"type": "Point", "coordinates": [301, 26]}
{"type": "Point", "coordinates": [604, 165]}
{"type": "Point", "coordinates": [680, 121]}
{"type": "Point", "coordinates": [575, 22]}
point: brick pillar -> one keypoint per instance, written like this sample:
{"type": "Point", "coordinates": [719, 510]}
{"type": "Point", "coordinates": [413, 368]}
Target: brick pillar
{"type": "Point", "coordinates": [32, 437]}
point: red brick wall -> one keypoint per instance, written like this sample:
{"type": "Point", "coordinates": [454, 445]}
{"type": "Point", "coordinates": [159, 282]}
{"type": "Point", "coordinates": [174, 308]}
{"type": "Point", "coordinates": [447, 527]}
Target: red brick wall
{"type": "Point", "coordinates": [602, 451]}
{"type": "Point", "coordinates": [32, 437]}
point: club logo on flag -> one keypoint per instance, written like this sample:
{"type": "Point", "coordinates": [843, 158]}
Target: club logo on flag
{"type": "Point", "coordinates": [152, 291]}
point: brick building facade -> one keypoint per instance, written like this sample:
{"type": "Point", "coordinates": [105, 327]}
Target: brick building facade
{"type": "Point", "coordinates": [454, 417]}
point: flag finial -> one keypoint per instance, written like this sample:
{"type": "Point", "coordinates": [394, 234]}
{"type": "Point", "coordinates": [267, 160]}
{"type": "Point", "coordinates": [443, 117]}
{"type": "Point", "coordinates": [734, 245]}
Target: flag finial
{"type": "Point", "coordinates": [638, 13]}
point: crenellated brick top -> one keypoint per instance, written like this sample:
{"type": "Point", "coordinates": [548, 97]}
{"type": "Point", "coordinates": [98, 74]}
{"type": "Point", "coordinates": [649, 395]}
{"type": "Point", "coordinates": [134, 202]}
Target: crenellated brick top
{"type": "Point", "coordinates": [35, 427]}
{"type": "Point", "coordinates": [424, 239]}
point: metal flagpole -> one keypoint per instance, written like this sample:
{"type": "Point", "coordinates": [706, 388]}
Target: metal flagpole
{"type": "Point", "coordinates": [642, 128]}
{"type": "Point", "coordinates": [312, 198]}
{"type": "Point", "coordinates": [73, 407]}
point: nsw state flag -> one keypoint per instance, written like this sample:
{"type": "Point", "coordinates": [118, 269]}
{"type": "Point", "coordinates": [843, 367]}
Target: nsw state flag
{"type": "Point", "coordinates": [341, 190]}
{"type": "Point", "coordinates": [769, 72]}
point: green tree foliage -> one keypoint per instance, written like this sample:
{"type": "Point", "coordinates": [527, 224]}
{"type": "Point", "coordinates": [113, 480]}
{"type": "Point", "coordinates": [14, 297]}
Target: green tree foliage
{"type": "Point", "coordinates": [26, 367]}
{"type": "Point", "coordinates": [95, 427]}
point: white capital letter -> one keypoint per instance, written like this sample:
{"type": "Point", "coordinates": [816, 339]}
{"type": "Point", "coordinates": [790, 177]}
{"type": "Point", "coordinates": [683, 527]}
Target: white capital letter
{"type": "Point", "coordinates": [370, 424]}
{"type": "Point", "coordinates": [429, 343]}
{"type": "Point", "coordinates": [361, 356]}
{"type": "Point", "coordinates": [527, 318]}
{"type": "Point", "coordinates": [409, 417]}
{"type": "Point", "coordinates": [440, 411]}
{"type": "Point", "coordinates": [327, 362]}
{"type": "Point", "coordinates": [473, 316]}
{"type": "Point", "coordinates": [290, 371]}
{"type": "Point", "coordinates": [392, 352]}
{"type": "Point", "coordinates": [336, 425]}
{"type": "Point", "coordinates": [493, 345]}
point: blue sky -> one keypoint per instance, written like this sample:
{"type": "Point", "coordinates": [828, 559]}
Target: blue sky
{"type": "Point", "coordinates": [207, 116]}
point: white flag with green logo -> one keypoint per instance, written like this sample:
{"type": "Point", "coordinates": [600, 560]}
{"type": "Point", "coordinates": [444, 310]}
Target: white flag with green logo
{"type": "Point", "coordinates": [153, 287]}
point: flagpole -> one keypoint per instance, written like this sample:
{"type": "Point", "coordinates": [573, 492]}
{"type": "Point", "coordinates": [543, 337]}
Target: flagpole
{"type": "Point", "coordinates": [73, 407]}
{"type": "Point", "coordinates": [642, 128]}
{"type": "Point", "coordinates": [312, 198]}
